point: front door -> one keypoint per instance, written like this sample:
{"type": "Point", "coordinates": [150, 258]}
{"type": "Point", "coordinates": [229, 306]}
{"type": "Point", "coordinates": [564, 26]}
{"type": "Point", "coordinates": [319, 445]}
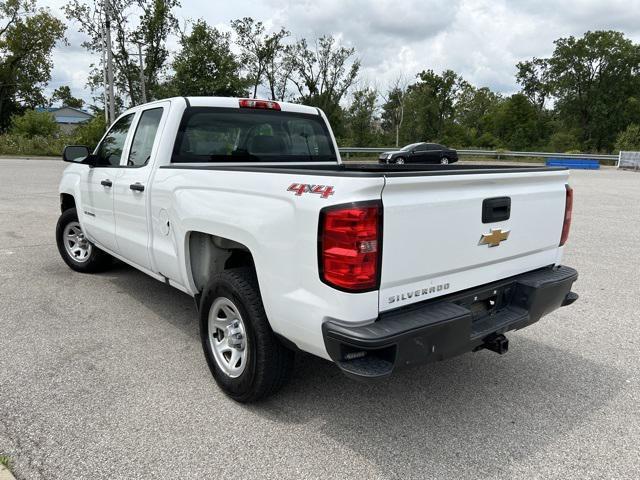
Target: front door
{"type": "Point", "coordinates": [132, 190]}
{"type": "Point", "coordinates": [96, 186]}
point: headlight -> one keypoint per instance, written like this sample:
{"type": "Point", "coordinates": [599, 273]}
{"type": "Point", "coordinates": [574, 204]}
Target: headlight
{"type": "Point", "coordinates": [389, 156]}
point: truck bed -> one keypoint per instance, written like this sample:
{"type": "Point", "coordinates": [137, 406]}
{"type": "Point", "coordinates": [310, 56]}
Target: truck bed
{"type": "Point", "coordinates": [365, 169]}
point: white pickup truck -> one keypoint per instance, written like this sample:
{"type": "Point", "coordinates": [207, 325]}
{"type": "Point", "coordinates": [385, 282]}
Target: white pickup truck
{"type": "Point", "coordinates": [246, 206]}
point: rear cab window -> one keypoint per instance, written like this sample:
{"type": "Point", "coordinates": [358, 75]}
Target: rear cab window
{"type": "Point", "coordinates": [213, 134]}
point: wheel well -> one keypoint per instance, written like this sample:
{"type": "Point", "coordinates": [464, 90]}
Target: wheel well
{"type": "Point", "coordinates": [211, 254]}
{"type": "Point", "coordinates": [66, 202]}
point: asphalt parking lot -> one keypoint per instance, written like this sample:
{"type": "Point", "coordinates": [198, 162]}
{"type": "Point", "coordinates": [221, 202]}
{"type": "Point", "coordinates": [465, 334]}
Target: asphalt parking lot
{"type": "Point", "coordinates": [102, 377]}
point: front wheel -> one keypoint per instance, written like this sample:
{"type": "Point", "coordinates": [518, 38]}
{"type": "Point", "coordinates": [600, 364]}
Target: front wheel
{"type": "Point", "coordinates": [79, 253]}
{"type": "Point", "coordinates": [399, 161]}
{"type": "Point", "coordinates": [246, 359]}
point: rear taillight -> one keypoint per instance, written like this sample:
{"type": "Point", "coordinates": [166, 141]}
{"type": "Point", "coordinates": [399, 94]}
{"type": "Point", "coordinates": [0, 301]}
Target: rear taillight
{"type": "Point", "coordinates": [260, 104]}
{"type": "Point", "coordinates": [568, 211]}
{"type": "Point", "coordinates": [350, 245]}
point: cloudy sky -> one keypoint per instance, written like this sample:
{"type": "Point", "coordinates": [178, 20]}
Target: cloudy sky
{"type": "Point", "coordinates": [480, 39]}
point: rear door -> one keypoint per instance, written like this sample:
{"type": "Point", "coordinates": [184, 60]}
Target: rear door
{"type": "Point", "coordinates": [96, 187]}
{"type": "Point", "coordinates": [132, 187]}
{"type": "Point", "coordinates": [434, 152]}
{"type": "Point", "coordinates": [420, 154]}
{"type": "Point", "coordinates": [436, 240]}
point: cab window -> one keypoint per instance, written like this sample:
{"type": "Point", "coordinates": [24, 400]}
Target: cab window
{"type": "Point", "coordinates": [144, 137]}
{"type": "Point", "coordinates": [110, 149]}
{"type": "Point", "coordinates": [210, 134]}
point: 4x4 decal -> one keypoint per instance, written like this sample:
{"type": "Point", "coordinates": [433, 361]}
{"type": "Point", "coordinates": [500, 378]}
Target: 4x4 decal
{"type": "Point", "coordinates": [323, 190]}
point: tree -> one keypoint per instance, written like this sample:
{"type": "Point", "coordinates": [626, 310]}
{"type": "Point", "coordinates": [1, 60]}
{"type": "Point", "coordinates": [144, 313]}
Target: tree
{"type": "Point", "coordinates": [260, 52]}
{"type": "Point", "coordinates": [63, 95]}
{"type": "Point", "coordinates": [206, 65]}
{"type": "Point", "coordinates": [430, 105]}
{"type": "Point", "coordinates": [533, 75]}
{"type": "Point", "coordinates": [156, 23]}
{"type": "Point", "coordinates": [518, 124]}
{"type": "Point", "coordinates": [594, 81]}
{"type": "Point", "coordinates": [360, 117]}
{"type": "Point", "coordinates": [27, 37]}
{"type": "Point", "coordinates": [629, 139]}
{"type": "Point", "coordinates": [393, 108]}
{"type": "Point", "coordinates": [32, 123]}
{"type": "Point", "coordinates": [323, 74]}
{"type": "Point", "coordinates": [89, 133]}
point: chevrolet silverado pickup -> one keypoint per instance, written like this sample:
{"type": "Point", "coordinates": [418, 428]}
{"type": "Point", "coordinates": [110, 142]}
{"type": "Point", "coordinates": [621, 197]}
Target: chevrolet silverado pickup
{"type": "Point", "coordinates": [247, 206]}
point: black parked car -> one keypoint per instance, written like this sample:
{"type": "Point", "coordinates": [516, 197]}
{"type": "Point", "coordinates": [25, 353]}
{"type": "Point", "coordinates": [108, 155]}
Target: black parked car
{"type": "Point", "coordinates": [420, 153]}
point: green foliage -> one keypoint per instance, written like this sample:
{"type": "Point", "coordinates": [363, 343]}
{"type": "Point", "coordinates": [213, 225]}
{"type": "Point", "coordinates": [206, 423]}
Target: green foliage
{"type": "Point", "coordinates": [322, 76]}
{"type": "Point", "coordinates": [261, 53]}
{"type": "Point", "coordinates": [89, 133]}
{"type": "Point", "coordinates": [5, 461]}
{"type": "Point", "coordinates": [156, 23]}
{"type": "Point", "coordinates": [518, 123]}
{"type": "Point", "coordinates": [27, 37]}
{"type": "Point", "coordinates": [32, 123]}
{"type": "Point", "coordinates": [63, 95]}
{"type": "Point", "coordinates": [361, 118]}
{"type": "Point", "coordinates": [594, 81]}
{"type": "Point", "coordinates": [206, 65]}
{"type": "Point", "coordinates": [430, 105]}
{"type": "Point", "coordinates": [629, 139]}
{"type": "Point", "coordinates": [564, 141]}
{"type": "Point", "coordinates": [12, 144]}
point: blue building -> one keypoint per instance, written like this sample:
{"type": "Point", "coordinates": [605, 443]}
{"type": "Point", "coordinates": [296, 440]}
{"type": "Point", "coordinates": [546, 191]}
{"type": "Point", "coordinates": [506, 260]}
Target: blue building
{"type": "Point", "coordinates": [67, 117]}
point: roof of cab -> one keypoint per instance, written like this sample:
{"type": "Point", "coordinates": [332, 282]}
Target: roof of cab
{"type": "Point", "coordinates": [233, 102]}
{"type": "Point", "coordinates": [224, 102]}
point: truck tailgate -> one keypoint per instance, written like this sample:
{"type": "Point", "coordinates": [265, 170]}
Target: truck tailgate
{"type": "Point", "coordinates": [433, 227]}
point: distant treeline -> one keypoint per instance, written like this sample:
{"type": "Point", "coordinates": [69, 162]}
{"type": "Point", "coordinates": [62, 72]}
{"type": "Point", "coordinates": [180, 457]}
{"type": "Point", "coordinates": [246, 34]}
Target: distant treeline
{"type": "Point", "coordinates": [584, 97]}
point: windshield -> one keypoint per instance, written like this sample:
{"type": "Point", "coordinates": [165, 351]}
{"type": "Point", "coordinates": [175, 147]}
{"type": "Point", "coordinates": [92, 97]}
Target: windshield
{"type": "Point", "coordinates": [210, 134]}
{"type": "Point", "coordinates": [406, 148]}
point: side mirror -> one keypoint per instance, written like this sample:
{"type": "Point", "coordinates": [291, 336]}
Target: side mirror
{"type": "Point", "coordinates": [76, 154]}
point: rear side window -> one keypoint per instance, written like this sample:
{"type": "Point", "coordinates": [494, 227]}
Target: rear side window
{"type": "Point", "coordinates": [110, 149]}
{"type": "Point", "coordinates": [210, 134]}
{"type": "Point", "coordinates": [144, 137]}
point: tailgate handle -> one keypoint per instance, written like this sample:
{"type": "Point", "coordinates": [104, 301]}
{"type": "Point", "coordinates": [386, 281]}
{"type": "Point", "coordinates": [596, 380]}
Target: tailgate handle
{"type": "Point", "coordinates": [496, 209]}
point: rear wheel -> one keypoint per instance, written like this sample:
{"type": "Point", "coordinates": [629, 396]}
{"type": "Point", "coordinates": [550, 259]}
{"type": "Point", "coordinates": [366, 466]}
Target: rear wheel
{"type": "Point", "coordinates": [246, 359]}
{"type": "Point", "coordinates": [78, 252]}
{"type": "Point", "coordinates": [444, 161]}
{"type": "Point", "coordinates": [400, 161]}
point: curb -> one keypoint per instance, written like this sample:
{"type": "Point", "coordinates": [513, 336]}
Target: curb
{"type": "Point", "coordinates": [29, 157]}
{"type": "Point", "coordinates": [5, 474]}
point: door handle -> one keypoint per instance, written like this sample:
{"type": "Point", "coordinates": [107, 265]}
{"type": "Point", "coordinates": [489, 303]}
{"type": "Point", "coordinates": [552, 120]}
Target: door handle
{"type": "Point", "coordinates": [138, 187]}
{"type": "Point", "coordinates": [106, 183]}
{"type": "Point", "coordinates": [496, 209]}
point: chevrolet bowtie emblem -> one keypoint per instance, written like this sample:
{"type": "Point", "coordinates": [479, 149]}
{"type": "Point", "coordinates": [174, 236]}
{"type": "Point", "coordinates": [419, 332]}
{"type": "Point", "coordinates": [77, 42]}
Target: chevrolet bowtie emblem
{"type": "Point", "coordinates": [494, 238]}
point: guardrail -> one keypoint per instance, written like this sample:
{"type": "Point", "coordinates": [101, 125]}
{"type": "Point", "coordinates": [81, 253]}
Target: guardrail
{"type": "Point", "coordinates": [492, 153]}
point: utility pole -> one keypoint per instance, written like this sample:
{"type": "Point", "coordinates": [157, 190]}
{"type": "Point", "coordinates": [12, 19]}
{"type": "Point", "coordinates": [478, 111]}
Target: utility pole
{"type": "Point", "coordinates": [112, 106]}
{"type": "Point", "coordinates": [142, 85]}
{"type": "Point", "coordinates": [104, 77]}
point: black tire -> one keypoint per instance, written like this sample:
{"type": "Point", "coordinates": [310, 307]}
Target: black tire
{"type": "Point", "coordinates": [269, 363]}
{"type": "Point", "coordinates": [399, 161]}
{"type": "Point", "coordinates": [96, 261]}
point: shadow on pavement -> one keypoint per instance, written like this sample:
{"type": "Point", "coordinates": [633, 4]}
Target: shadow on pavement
{"type": "Point", "coordinates": [478, 411]}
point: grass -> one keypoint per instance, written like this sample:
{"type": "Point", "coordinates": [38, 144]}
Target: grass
{"type": "Point", "coordinates": [5, 461]}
